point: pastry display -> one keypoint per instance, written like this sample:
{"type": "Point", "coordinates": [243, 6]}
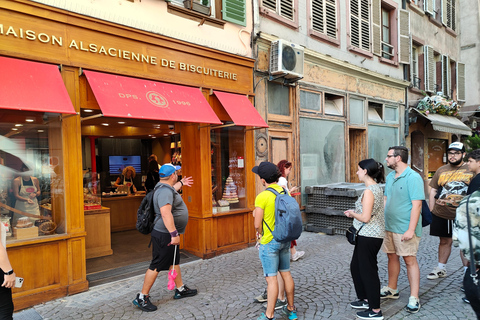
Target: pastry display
{"type": "Point", "coordinates": [24, 222]}
{"type": "Point", "coordinates": [230, 192]}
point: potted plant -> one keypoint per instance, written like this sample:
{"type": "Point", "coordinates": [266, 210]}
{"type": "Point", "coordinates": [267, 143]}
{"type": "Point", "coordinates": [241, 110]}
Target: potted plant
{"type": "Point", "coordinates": [201, 6]}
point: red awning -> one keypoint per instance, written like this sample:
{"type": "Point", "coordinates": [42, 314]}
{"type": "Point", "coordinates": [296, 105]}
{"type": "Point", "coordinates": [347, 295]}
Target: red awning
{"type": "Point", "coordinates": [125, 97]}
{"type": "Point", "coordinates": [240, 109]}
{"type": "Point", "coordinates": [32, 86]}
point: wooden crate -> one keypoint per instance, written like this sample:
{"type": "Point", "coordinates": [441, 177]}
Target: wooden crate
{"type": "Point", "coordinates": [25, 233]}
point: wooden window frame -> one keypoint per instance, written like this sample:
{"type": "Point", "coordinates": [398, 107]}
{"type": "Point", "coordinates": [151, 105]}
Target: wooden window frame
{"type": "Point", "coordinates": [351, 47]}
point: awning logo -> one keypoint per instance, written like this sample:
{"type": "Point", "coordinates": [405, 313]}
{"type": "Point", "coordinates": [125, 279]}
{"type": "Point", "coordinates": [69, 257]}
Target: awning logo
{"type": "Point", "coordinates": [157, 99]}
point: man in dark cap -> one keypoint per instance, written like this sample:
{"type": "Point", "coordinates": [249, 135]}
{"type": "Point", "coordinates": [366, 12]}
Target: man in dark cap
{"type": "Point", "coordinates": [275, 256]}
{"type": "Point", "coordinates": [448, 186]}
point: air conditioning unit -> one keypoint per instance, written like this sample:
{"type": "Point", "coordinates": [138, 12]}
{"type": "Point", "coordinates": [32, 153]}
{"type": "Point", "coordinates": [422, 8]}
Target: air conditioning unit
{"type": "Point", "coordinates": [286, 59]}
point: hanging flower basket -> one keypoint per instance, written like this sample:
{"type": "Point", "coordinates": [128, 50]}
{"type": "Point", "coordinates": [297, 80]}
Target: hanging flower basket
{"type": "Point", "coordinates": [438, 104]}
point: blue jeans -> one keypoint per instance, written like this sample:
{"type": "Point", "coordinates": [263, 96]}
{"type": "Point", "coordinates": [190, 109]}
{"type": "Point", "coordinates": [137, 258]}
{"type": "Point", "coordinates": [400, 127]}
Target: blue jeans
{"type": "Point", "coordinates": [275, 256]}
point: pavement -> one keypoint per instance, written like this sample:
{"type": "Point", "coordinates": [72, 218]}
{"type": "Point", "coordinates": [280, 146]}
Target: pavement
{"type": "Point", "coordinates": [228, 283]}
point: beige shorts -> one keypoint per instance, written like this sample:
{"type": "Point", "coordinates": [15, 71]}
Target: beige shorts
{"type": "Point", "coordinates": [392, 243]}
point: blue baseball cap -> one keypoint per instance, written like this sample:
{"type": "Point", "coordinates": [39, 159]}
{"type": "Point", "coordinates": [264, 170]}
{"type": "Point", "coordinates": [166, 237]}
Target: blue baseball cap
{"type": "Point", "coordinates": [167, 170]}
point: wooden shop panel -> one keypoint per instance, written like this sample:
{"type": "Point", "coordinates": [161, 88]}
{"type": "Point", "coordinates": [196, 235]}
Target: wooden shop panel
{"type": "Point", "coordinates": [230, 230]}
{"type": "Point", "coordinates": [194, 236]}
{"type": "Point", "coordinates": [77, 260]}
{"type": "Point", "coordinates": [42, 266]}
{"type": "Point", "coordinates": [358, 151]}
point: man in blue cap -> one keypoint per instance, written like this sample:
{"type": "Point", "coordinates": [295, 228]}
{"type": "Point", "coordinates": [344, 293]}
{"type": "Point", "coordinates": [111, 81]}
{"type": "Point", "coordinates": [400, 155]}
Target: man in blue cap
{"type": "Point", "coordinates": [171, 217]}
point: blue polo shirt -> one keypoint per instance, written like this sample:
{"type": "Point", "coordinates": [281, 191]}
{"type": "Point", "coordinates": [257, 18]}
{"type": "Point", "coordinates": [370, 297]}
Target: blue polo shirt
{"type": "Point", "coordinates": [400, 192]}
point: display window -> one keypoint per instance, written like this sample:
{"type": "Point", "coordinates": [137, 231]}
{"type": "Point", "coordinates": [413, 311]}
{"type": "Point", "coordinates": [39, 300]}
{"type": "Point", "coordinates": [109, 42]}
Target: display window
{"type": "Point", "coordinates": [228, 169]}
{"type": "Point", "coordinates": [31, 175]}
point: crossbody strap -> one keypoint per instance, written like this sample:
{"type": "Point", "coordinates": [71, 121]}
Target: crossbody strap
{"type": "Point", "coordinates": [473, 269]}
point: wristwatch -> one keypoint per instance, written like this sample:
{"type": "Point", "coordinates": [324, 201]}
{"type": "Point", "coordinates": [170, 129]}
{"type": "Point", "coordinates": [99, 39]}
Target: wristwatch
{"type": "Point", "coordinates": [8, 273]}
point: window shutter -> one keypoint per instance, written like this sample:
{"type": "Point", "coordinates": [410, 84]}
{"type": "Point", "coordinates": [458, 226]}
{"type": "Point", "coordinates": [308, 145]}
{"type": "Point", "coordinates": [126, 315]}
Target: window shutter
{"type": "Point", "coordinates": [461, 81]}
{"type": "Point", "coordinates": [429, 69]}
{"type": "Point", "coordinates": [234, 11]}
{"type": "Point", "coordinates": [270, 4]}
{"type": "Point", "coordinates": [404, 42]}
{"type": "Point", "coordinates": [286, 9]}
{"type": "Point", "coordinates": [446, 76]}
{"type": "Point", "coordinates": [324, 17]}
{"type": "Point", "coordinates": [376, 27]}
{"type": "Point", "coordinates": [444, 12]}
{"type": "Point", "coordinates": [412, 59]}
{"type": "Point", "coordinates": [360, 24]}
{"type": "Point", "coordinates": [429, 7]}
{"type": "Point", "coordinates": [452, 13]}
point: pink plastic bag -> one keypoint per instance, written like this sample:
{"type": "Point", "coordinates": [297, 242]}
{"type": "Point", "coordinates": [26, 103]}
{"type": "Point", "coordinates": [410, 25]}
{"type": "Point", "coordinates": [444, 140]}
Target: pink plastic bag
{"type": "Point", "coordinates": [172, 274]}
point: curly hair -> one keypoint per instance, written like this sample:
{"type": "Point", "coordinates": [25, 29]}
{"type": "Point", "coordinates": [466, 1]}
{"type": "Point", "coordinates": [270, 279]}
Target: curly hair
{"type": "Point", "coordinates": [124, 172]}
{"type": "Point", "coordinates": [282, 165]}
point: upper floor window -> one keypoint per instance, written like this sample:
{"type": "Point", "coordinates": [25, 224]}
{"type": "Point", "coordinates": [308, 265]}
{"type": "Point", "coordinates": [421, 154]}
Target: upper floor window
{"type": "Point", "coordinates": [414, 68]}
{"type": "Point", "coordinates": [228, 10]}
{"type": "Point", "coordinates": [284, 11]}
{"type": "Point", "coordinates": [360, 24]}
{"type": "Point", "coordinates": [448, 13]}
{"type": "Point", "coordinates": [387, 47]}
{"type": "Point", "coordinates": [324, 19]}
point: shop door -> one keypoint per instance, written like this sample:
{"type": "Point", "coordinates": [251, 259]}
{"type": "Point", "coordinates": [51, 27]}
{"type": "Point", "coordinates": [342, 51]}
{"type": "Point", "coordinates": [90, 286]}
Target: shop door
{"type": "Point", "coordinates": [358, 151]}
{"type": "Point", "coordinates": [418, 152]}
{"type": "Point", "coordinates": [437, 155]}
{"type": "Point", "coordinates": [280, 144]}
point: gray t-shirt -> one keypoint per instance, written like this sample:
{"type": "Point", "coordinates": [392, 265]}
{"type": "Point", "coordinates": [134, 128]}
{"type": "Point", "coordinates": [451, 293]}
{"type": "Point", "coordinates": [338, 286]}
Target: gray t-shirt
{"type": "Point", "coordinates": [167, 195]}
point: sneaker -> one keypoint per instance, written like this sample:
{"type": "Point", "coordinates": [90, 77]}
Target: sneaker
{"type": "Point", "coordinates": [297, 255]}
{"type": "Point", "coordinates": [264, 317]}
{"type": "Point", "coordinates": [437, 273]}
{"type": "Point", "coordinates": [413, 305]}
{"type": "Point", "coordinates": [370, 314]}
{"type": "Point", "coordinates": [359, 304]}
{"type": "Point", "coordinates": [262, 297]}
{"type": "Point", "coordinates": [388, 293]}
{"type": "Point", "coordinates": [144, 303]}
{"type": "Point", "coordinates": [292, 314]}
{"type": "Point", "coordinates": [187, 292]}
{"type": "Point", "coordinates": [278, 305]}
{"type": "Point", "coordinates": [464, 299]}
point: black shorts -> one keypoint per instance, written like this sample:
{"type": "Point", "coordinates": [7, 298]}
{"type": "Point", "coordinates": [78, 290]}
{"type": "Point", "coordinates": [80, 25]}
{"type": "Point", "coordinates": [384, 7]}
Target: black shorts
{"type": "Point", "coordinates": [441, 227]}
{"type": "Point", "coordinates": [162, 253]}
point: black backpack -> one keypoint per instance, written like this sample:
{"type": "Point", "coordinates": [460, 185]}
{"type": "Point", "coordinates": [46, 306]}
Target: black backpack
{"type": "Point", "coordinates": [146, 212]}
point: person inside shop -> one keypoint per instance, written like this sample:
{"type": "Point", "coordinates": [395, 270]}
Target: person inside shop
{"type": "Point", "coordinates": [152, 176]}
{"type": "Point", "coordinates": [26, 189]}
{"type": "Point", "coordinates": [7, 279]}
{"type": "Point", "coordinates": [126, 179]}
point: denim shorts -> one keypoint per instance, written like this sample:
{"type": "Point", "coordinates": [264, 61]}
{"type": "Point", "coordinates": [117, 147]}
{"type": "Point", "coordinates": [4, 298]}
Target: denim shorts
{"type": "Point", "coordinates": [275, 256]}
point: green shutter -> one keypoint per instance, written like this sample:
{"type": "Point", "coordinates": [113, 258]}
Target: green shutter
{"type": "Point", "coordinates": [234, 11]}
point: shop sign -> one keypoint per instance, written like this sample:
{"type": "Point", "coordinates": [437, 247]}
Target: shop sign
{"type": "Point", "coordinates": [112, 52]}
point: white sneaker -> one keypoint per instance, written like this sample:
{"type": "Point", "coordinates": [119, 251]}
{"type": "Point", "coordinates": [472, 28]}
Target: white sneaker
{"type": "Point", "coordinates": [297, 255]}
{"type": "Point", "coordinates": [437, 273]}
{"type": "Point", "coordinates": [413, 305]}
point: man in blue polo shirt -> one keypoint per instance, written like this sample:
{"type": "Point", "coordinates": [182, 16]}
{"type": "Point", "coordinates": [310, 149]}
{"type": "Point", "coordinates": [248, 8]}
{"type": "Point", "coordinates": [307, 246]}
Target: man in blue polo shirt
{"type": "Point", "coordinates": [404, 194]}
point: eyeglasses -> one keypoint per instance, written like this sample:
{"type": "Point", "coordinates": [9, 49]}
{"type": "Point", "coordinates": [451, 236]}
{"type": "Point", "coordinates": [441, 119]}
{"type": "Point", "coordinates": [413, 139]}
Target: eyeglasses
{"type": "Point", "coordinates": [454, 153]}
{"type": "Point", "coordinates": [390, 155]}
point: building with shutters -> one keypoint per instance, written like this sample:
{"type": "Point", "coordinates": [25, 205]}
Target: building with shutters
{"type": "Point", "coordinates": [344, 99]}
{"type": "Point", "coordinates": [436, 69]}
{"type": "Point", "coordinates": [92, 87]}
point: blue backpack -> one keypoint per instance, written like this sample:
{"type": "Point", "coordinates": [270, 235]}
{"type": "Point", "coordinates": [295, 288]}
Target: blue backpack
{"type": "Point", "coordinates": [288, 219]}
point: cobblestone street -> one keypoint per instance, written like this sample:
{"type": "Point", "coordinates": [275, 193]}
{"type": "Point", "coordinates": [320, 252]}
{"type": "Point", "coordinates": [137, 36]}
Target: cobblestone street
{"type": "Point", "coordinates": [227, 285]}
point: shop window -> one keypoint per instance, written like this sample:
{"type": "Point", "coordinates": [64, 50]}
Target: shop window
{"type": "Point", "coordinates": [448, 14]}
{"type": "Point", "coordinates": [379, 140]}
{"type": "Point", "coordinates": [31, 175]}
{"type": "Point", "coordinates": [391, 114]}
{"type": "Point", "coordinates": [333, 104]}
{"type": "Point", "coordinates": [310, 100]}
{"type": "Point", "coordinates": [228, 169]}
{"type": "Point", "coordinates": [375, 112]}
{"type": "Point", "coordinates": [357, 112]}
{"type": "Point", "coordinates": [324, 20]}
{"type": "Point", "coordinates": [322, 158]}
{"type": "Point", "coordinates": [278, 99]}
{"type": "Point", "coordinates": [284, 11]}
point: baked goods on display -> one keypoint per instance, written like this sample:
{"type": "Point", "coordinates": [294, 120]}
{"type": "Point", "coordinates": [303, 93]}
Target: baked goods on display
{"type": "Point", "coordinates": [230, 191]}
{"type": "Point", "coordinates": [24, 222]}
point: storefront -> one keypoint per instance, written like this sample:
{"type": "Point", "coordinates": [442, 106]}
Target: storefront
{"type": "Point", "coordinates": [88, 101]}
